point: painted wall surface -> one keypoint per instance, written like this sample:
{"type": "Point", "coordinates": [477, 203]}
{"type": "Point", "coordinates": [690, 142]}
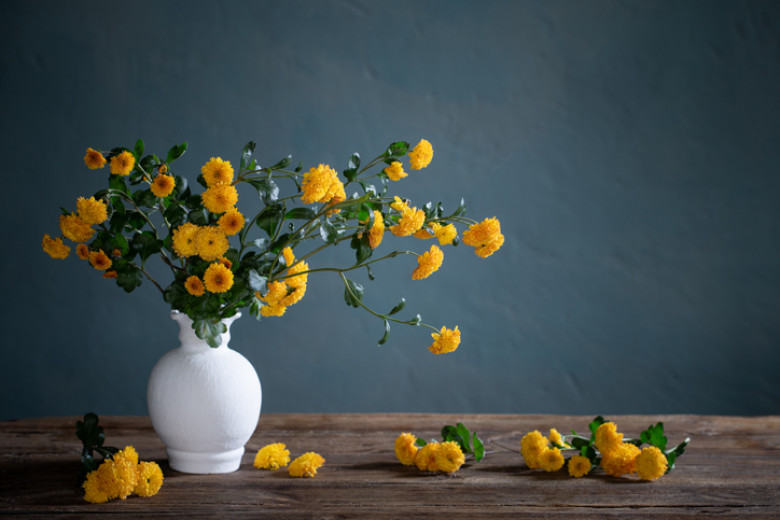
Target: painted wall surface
{"type": "Point", "coordinates": [631, 150]}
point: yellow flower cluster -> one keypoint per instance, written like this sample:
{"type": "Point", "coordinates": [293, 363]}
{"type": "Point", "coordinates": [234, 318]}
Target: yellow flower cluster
{"type": "Point", "coordinates": [617, 457]}
{"type": "Point", "coordinates": [288, 291]}
{"type": "Point", "coordinates": [445, 341]}
{"type": "Point", "coordinates": [446, 457]}
{"type": "Point", "coordinates": [428, 263]}
{"type": "Point", "coordinates": [220, 195]}
{"type": "Point", "coordinates": [623, 458]}
{"type": "Point", "coordinates": [77, 227]}
{"type": "Point", "coordinates": [276, 455]}
{"type": "Point", "coordinates": [121, 476]}
{"type": "Point", "coordinates": [421, 155]}
{"type": "Point", "coordinates": [486, 237]}
{"type": "Point", "coordinates": [322, 184]}
{"type": "Point", "coordinates": [272, 456]}
{"type": "Point", "coordinates": [412, 219]}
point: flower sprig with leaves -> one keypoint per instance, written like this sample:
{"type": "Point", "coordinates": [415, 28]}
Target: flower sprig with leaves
{"type": "Point", "coordinates": [446, 456]}
{"type": "Point", "coordinates": [120, 474]}
{"type": "Point", "coordinates": [605, 447]}
{"type": "Point", "coordinates": [221, 261]}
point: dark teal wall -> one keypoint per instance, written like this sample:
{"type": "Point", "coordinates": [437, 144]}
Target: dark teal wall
{"type": "Point", "coordinates": [629, 148]}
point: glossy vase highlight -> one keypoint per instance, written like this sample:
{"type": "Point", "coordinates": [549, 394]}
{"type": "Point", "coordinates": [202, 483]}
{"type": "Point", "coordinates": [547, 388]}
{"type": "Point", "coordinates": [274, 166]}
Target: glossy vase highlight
{"type": "Point", "coordinates": [204, 402]}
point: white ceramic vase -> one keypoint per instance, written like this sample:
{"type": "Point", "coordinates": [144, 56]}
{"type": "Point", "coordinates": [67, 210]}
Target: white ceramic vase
{"type": "Point", "coordinates": [204, 402]}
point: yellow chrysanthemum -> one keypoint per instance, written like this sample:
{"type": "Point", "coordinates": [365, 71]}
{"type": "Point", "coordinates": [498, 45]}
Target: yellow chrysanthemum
{"type": "Point", "coordinates": [211, 243]}
{"type": "Point", "coordinates": [449, 457]}
{"type": "Point", "coordinates": [406, 449]}
{"type": "Point", "coordinates": [150, 479]}
{"type": "Point", "coordinates": [226, 262]}
{"type": "Point", "coordinates": [445, 234]}
{"type": "Point", "coordinates": [82, 251]}
{"type": "Point", "coordinates": [579, 466]}
{"type": "Point", "coordinates": [377, 231]}
{"type": "Point", "coordinates": [125, 469]}
{"type": "Point", "coordinates": [163, 168]}
{"type": "Point", "coordinates": [74, 228]}
{"type": "Point", "coordinates": [54, 247]}
{"type": "Point", "coordinates": [99, 487]}
{"type": "Point", "coordinates": [216, 171]}
{"type": "Point", "coordinates": [651, 463]}
{"type": "Point", "coordinates": [421, 155]}
{"type": "Point", "coordinates": [111, 275]}
{"type": "Point", "coordinates": [425, 460]}
{"type": "Point", "coordinates": [551, 459]}
{"type": "Point", "coordinates": [428, 263]}
{"type": "Point", "coordinates": [272, 456]}
{"type": "Point", "coordinates": [195, 286]}
{"type": "Point", "coordinates": [399, 204]}
{"type": "Point", "coordinates": [276, 292]}
{"type": "Point", "coordinates": [92, 211]}
{"type": "Point", "coordinates": [219, 198]}
{"type": "Point", "coordinates": [445, 341]}
{"type": "Point", "coordinates": [306, 465]}
{"type": "Point", "coordinates": [317, 184]}
{"type": "Point", "coordinates": [123, 163]}
{"type": "Point", "coordinates": [162, 185]}
{"type": "Point", "coordinates": [184, 240]}
{"type": "Point", "coordinates": [486, 237]}
{"type": "Point", "coordinates": [607, 437]}
{"type": "Point", "coordinates": [556, 438]}
{"type": "Point", "coordinates": [532, 445]}
{"type": "Point", "coordinates": [412, 219]}
{"type": "Point", "coordinates": [300, 275]}
{"type": "Point", "coordinates": [99, 260]}
{"type": "Point", "coordinates": [218, 278]}
{"type": "Point", "coordinates": [231, 222]}
{"type": "Point", "coordinates": [94, 159]}
{"type": "Point", "coordinates": [620, 459]}
{"type": "Point", "coordinates": [335, 195]}
{"type": "Point", "coordinates": [423, 234]}
{"type": "Point", "coordinates": [395, 172]}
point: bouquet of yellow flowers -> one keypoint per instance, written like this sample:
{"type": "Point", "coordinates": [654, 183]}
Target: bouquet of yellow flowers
{"type": "Point", "coordinates": [218, 263]}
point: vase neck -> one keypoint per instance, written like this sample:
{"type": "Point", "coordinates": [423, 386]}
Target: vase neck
{"type": "Point", "coordinates": [190, 341]}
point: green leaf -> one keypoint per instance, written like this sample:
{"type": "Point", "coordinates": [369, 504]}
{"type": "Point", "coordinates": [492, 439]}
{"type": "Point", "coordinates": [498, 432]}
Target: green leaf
{"type": "Point", "coordinates": [387, 333]}
{"type": "Point", "coordinates": [145, 198]}
{"type": "Point", "coordinates": [329, 232]}
{"type": "Point", "coordinates": [120, 242]}
{"type": "Point", "coordinates": [420, 442]}
{"type": "Point", "coordinates": [266, 189]}
{"type": "Point", "coordinates": [129, 277]}
{"type": "Point", "coordinates": [146, 244]}
{"type": "Point", "coordinates": [246, 154]}
{"type": "Point", "coordinates": [268, 219]}
{"type": "Point", "coordinates": [138, 151]}
{"type": "Point", "coordinates": [461, 208]}
{"type": "Point", "coordinates": [362, 248]}
{"type": "Point", "coordinates": [352, 166]}
{"type": "Point", "coordinates": [654, 435]}
{"type": "Point", "coordinates": [479, 448]}
{"type": "Point", "coordinates": [175, 152]}
{"type": "Point", "coordinates": [257, 282]}
{"type": "Point", "coordinates": [300, 214]}
{"type": "Point", "coordinates": [398, 308]}
{"type": "Point", "coordinates": [398, 148]}
{"type": "Point", "coordinates": [284, 163]}
{"type": "Point", "coordinates": [353, 293]}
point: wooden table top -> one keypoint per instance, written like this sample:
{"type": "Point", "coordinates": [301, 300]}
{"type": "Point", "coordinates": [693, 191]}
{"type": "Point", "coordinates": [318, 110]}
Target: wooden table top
{"type": "Point", "coordinates": [731, 469]}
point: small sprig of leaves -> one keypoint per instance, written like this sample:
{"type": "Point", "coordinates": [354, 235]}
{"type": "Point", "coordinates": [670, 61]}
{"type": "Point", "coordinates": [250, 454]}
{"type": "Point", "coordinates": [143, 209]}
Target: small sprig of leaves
{"type": "Point", "coordinates": [92, 437]}
{"type": "Point", "coordinates": [653, 436]}
{"type": "Point", "coordinates": [469, 443]}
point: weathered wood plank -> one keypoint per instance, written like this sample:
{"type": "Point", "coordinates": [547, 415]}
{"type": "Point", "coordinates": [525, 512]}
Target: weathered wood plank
{"type": "Point", "coordinates": [730, 470]}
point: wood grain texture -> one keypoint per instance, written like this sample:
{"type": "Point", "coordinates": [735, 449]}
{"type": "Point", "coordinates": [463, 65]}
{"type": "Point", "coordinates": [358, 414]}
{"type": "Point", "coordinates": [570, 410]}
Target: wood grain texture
{"type": "Point", "coordinates": [730, 470]}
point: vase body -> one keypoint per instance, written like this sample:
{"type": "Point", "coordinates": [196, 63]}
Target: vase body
{"type": "Point", "coordinates": [204, 402]}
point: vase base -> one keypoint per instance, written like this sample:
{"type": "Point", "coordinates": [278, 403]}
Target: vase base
{"type": "Point", "coordinates": [203, 463]}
